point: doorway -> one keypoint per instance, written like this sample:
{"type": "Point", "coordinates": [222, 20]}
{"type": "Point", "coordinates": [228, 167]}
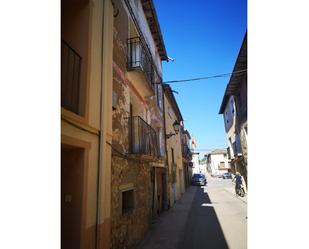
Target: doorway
{"type": "Point", "coordinates": [72, 174]}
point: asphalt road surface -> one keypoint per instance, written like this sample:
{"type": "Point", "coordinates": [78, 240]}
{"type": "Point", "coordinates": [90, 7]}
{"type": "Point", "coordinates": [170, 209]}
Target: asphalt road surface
{"type": "Point", "coordinates": [217, 218]}
{"type": "Point", "coordinates": [209, 217]}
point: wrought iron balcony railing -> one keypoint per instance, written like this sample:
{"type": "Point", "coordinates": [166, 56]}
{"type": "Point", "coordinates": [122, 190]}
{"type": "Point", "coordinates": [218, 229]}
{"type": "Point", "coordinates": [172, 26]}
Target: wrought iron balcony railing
{"type": "Point", "coordinates": [142, 138]}
{"type": "Point", "coordinates": [139, 58]}
{"type": "Point", "coordinates": [70, 78]}
{"type": "Point", "coordinates": [186, 152]}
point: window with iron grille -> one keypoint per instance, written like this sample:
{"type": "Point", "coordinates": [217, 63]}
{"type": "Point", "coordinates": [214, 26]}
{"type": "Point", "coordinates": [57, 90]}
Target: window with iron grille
{"type": "Point", "coordinates": [71, 63]}
{"type": "Point", "coordinates": [139, 58]}
{"type": "Point", "coordinates": [143, 139]}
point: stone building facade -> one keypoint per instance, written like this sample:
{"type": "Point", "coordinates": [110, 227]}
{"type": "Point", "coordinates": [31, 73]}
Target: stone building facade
{"type": "Point", "coordinates": [116, 174]}
{"type": "Point", "coordinates": [186, 155]}
{"type": "Point", "coordinates": [234, 109]}
{"type": "Point", "coordinates": [217, 162]}
{"type": "Point", "coordinates": [138, 167]}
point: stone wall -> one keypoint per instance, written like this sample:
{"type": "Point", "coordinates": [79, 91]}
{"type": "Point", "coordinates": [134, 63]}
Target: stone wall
{"type": "Point", "coordinates": [130, 171]}
{"type": "Point", "coordinates": [129, 228]}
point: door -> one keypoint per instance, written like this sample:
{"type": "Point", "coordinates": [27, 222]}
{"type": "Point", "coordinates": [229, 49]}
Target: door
{"type": "Point", "coordinates": [72, 168]}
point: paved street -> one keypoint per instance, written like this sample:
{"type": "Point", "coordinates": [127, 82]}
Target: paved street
{"type": "Point", "coordinates": [208, 217]}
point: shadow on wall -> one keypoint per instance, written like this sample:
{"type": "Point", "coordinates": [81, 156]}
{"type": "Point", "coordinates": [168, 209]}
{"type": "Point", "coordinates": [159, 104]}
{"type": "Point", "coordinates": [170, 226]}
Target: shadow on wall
{"type": "Point", "coordinates": [203, 229]}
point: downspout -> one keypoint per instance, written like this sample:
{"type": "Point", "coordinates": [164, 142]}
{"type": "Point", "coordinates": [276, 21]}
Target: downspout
{"type": "Point", "coordinates": [99, 172]}
{"type": "Point", "coordinates": [166, 151]}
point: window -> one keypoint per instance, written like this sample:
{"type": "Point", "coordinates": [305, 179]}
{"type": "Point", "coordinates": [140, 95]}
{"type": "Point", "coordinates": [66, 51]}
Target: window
{"type": "Point", "coordinates": [74, 55]}
{"type": "Point", "coordinates": [221, 165]}
{"type": "Point", "coordinates": [128, 202]}
{"type": "Point", "coordinates": [115, 100]}
{"type": "Point", "coordinates": [160, 139]}
{"type": "Point", "coordinates": [226, 118]}
{"type": "Point", "coordinates": [159, 96]}
{"type": "Point", "coordinates": [232, 107]}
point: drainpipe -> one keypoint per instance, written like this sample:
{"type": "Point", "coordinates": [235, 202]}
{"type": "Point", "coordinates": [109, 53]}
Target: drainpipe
{"type": "Point", "coordinates": [97, 234]}
{"type": "Point", "coordinates": [101, 134]}
{"type": "Point", "coordinates": [166, 153]}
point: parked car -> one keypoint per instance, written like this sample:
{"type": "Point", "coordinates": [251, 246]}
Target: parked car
{"type": "Point", "coordinates": [198, 179]}
{"type": "Point", "coordinates": [227, 175]}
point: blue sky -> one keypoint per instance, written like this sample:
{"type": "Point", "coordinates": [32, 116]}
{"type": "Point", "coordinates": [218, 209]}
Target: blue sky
{"type": "Point", "coordinates": [204, 37]}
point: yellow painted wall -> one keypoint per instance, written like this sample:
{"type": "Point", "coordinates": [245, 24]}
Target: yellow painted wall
{"type": "Point", "coordinates": [98, 121]}
{"type": "Point", "coordinates": [175, 143]}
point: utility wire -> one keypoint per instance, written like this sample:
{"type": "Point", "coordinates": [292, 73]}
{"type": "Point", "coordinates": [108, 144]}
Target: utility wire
{"type": "Point", "coordinates": [207, 77]}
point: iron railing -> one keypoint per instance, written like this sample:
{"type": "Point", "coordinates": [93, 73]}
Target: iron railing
{"type": "Point", "coordinates": [139, 58]}
{"type": "Point", "coordinates": [186, 152]}
{"type": "Point", "coordinates": [142, 138]}
{"type": "Point", "coordinates": [70, 78]}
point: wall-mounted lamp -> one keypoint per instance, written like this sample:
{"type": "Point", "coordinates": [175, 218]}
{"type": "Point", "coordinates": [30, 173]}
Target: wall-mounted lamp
{"type": "Point", "coordinates": [176, 126]}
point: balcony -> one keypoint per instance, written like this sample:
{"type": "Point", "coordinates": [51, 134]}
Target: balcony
{"type": "Point", "coordinates": [142, 138]}
{"type": "Point", "coordinates": [140, 66]}
{"type": "Point", "coordinates": [186, 152]}
{"type": "Point", "coordinates": [71, 63]}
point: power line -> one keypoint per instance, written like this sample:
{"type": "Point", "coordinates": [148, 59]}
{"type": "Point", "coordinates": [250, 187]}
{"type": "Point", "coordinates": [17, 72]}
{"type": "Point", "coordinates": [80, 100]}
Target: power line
{"type": "Point", "coordinates": [209, 149]}
{"type": "Point", "coordinates": [206, 77]}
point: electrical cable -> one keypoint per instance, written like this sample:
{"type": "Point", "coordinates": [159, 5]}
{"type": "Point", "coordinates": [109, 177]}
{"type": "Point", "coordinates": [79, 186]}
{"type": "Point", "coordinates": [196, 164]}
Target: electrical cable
{"type": "Point", "coordinates": [123, 155]}
{"type": "Point", "coordinates": [205, 78]}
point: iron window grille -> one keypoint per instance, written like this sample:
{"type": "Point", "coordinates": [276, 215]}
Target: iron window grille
{"type": "Point", "coordinates": [71, 63]}
{"type": "Point", "coordinates": [186, 152]}
{"type": "Point", "coordinates": [142, 138]}
{"type": "Point", "coordinates": [139, 58]}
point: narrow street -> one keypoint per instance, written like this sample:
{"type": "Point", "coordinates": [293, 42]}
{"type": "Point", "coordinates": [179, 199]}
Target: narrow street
{"type": "Point", "coordinates": [210, 217]}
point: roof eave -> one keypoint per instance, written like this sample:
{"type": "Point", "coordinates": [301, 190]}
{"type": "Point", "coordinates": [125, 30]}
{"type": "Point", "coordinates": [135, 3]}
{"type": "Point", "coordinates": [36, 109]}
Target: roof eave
{"type": "Point", "coordinates": [172, 98]}
{"type": "Point", "coordinates": [154, 26]}
{"type": "Point", "coordinates": [233, 85]}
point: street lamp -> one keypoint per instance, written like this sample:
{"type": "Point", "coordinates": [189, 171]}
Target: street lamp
{"type": "Point", "coordinates": [176, 126]}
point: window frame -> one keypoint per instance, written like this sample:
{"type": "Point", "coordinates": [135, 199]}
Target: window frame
{"type": "Point", "coordinates": [123, 189]}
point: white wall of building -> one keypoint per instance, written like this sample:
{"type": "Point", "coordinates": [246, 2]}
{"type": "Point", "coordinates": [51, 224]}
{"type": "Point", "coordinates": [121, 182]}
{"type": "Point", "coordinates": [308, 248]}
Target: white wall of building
{"type": "Point", "coordinates": [230, 123]}
{"type": "Point", "coordinates": [196, 163]}
{"type": "Point", "coordinates": [215, 161]}
{"type": "Point", "coordinates": [197, 167]}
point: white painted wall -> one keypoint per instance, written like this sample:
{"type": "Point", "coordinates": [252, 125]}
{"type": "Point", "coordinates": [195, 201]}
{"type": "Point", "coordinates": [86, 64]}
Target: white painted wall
{"type": "Point", "coordinates": [195, 159]}
{"type": "Point", "coordinates": [203, 169]}
{"type": "Point", "coordinates": [215, 162]}
{"type": "Point", "coordinates": [197, 167]}
{"type": "Point", "coordinates": [229, 123]}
